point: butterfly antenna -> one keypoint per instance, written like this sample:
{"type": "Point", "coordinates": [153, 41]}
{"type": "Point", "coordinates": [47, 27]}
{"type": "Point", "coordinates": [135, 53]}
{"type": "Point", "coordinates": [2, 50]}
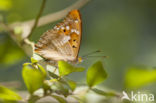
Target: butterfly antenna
{"type": "Point", "coordinates": [91, 55]}
{"type": "Point", "coordinates": [99, 56]}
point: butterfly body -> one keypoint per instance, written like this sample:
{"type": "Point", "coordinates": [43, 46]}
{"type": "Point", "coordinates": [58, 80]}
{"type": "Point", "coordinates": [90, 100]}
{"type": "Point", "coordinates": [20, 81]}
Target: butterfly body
{"type": "Point", "coordinates": [63, 41]}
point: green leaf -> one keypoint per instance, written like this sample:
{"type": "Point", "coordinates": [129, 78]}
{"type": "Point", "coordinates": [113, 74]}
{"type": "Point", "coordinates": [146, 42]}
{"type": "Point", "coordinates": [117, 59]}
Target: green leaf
{"type": "Point", "coordinates": [33, 99]}
{"type": "Point", "coordinates": [66, 69]}
{"type": "Point", "coordinates": [7, 94]}
{"type": "Point", "coordinates": [103, 93]}
{"type": "Point", "coordinates": [13, 54]}
{"type": "Point", "coordinates": [5, 4]}
{"type": "Point", "coordinates": [59, 88]}
{"type": "Point", "coordinates": [80, 99]}
{"type": "Point", "coordinates": [26, 64]}
{"type": "Point", "coordinates": [33, 78]}
{"type": "Point", "coordinates": [96, 74]}
{"type": "Point", "coordinates": [67, 82]}
{"type": "Point", "coordinates": [59, 99]}
{"type": "Point", "coordinates": [71, 84]}
{"type": "Point", "coordinates": [137, 77]}
{"type": "Point", "coordinates": [42, 70]}
{"type": "Point", "coordinates": [18, 30]}
{"type": "Point", "coordinates": [33, 60]}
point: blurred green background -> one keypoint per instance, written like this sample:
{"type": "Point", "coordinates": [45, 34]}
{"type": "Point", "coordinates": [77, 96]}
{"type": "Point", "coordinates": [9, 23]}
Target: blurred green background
{"type": "Point", "coordinates": [123, 29]}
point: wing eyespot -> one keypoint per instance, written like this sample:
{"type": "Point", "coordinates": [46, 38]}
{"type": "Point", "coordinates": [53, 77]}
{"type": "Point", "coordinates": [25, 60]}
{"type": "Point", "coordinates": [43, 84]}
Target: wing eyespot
{"type": "Point", "coordinates": [64, 30]}
{"type": "Point", "coordinates": [74, 46]}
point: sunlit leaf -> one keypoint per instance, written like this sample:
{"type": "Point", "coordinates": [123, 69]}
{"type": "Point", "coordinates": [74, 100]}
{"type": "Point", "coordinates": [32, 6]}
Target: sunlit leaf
{"type": "Point", "coordinates": [13, 56]}
{"type": "Point", "coordinates": [103, 93]}
{"type": "Point", "coordinates": [26, 64]}
{"type": "Point", "coordinates": [59, 88]}
{"type": "Point", "coordinates": [137, 77]}
{"type": "Point", "coordinates": [7, 94]}
{"type": "Point", "coordinates": [10, 53]}
{"type": "Point", "coordinates": [18, 30]}
{"type": "Point", "coordinates": [66, 69]}
{"type": "Point", "coordinates": [59, 99]}
{"type": "Point", "coordinates": [67, 82]}
{"type": "Point", "coordinates": [33, 78]}
{"type": "Point", "coordinates": [72, 84]}
{"type": "Point", "coordinates": [42, 70]}
{"type": "Point", "coordinates": [96, 74]}
{"type": "Point", "coordinates": [5, 4]}
{"type": "Point", "coordinates": [33, 60]}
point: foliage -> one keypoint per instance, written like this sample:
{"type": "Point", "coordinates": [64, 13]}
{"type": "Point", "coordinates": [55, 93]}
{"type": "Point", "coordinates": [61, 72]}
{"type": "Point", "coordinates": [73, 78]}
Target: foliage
{"type": "Point", "coordinates": [103, 93]}
{"type": "Point", "coordinates": [96, 74]}
{"type": "Point", "coordinates": [34, 76]}
{"type": "Point", "coordinates": [60, 99]}
{"type": "Point", "coordinates": [137, 77]}
{"type": "Point", "coordinates": [5, 4]}
{"type": "Point", "coordinates": [65, 68]}
{"type": "Point", "coordinates": [41, 82]}
{"type": "Point", "coordinates": [10, 53]}
{"type": "Point", "coordinates": [7, 94]}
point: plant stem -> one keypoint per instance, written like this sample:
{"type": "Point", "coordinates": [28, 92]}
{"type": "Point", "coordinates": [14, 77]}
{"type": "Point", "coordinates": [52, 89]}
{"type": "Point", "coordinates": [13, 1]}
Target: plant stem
{"type": "Point", "coordinates": [49, 18]}
{"type": "Point", "coordinates": [37, 18]}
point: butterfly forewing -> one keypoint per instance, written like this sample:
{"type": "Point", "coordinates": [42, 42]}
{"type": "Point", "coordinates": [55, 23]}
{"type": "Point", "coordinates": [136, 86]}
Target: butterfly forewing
{"type": "Point", "coordinates": [63, 41]}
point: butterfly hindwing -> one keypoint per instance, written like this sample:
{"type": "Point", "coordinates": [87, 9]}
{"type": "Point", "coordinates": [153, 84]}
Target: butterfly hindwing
{"type": "Point", "coordinates": [63, 41]}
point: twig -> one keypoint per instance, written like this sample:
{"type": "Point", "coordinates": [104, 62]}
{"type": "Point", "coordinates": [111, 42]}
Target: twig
{"type": "Point", "coordinates": [50, 17]}
{"type": "Point", "coordinates": [5, 27]}
{"type": "Point", "coordinates": [11, 84]}
{"type": "Point", "coordinates": [37, 18]}
{"type": "Point", "coordinates": [58, 15]}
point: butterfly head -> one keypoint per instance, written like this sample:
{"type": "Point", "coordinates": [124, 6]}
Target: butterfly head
{"type": "Point", "coordinates": [79, 59]}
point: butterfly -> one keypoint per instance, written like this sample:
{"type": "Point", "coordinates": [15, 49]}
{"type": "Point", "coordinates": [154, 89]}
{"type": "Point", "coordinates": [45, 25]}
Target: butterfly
{"type": "Point", "coordinates": [63, 41]}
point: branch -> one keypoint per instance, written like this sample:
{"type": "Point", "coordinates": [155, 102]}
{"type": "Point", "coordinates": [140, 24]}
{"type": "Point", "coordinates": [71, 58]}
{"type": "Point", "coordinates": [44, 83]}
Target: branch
{"type": "Point", "coordinates": [37, 18]}
{"type": "Point", "coordinates": [27, 25]}
{"type": "Point", "coordinates": [58, 15]}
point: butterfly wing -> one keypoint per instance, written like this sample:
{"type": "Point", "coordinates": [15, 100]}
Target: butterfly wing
{"type": "Point", "coordinates": [62, 42]}
{"type": "Point", "coordinates": [75, 30]}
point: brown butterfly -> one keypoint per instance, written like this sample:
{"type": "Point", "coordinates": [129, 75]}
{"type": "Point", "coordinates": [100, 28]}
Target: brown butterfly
{"type": "Point", "coordinates": [63, 41]}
